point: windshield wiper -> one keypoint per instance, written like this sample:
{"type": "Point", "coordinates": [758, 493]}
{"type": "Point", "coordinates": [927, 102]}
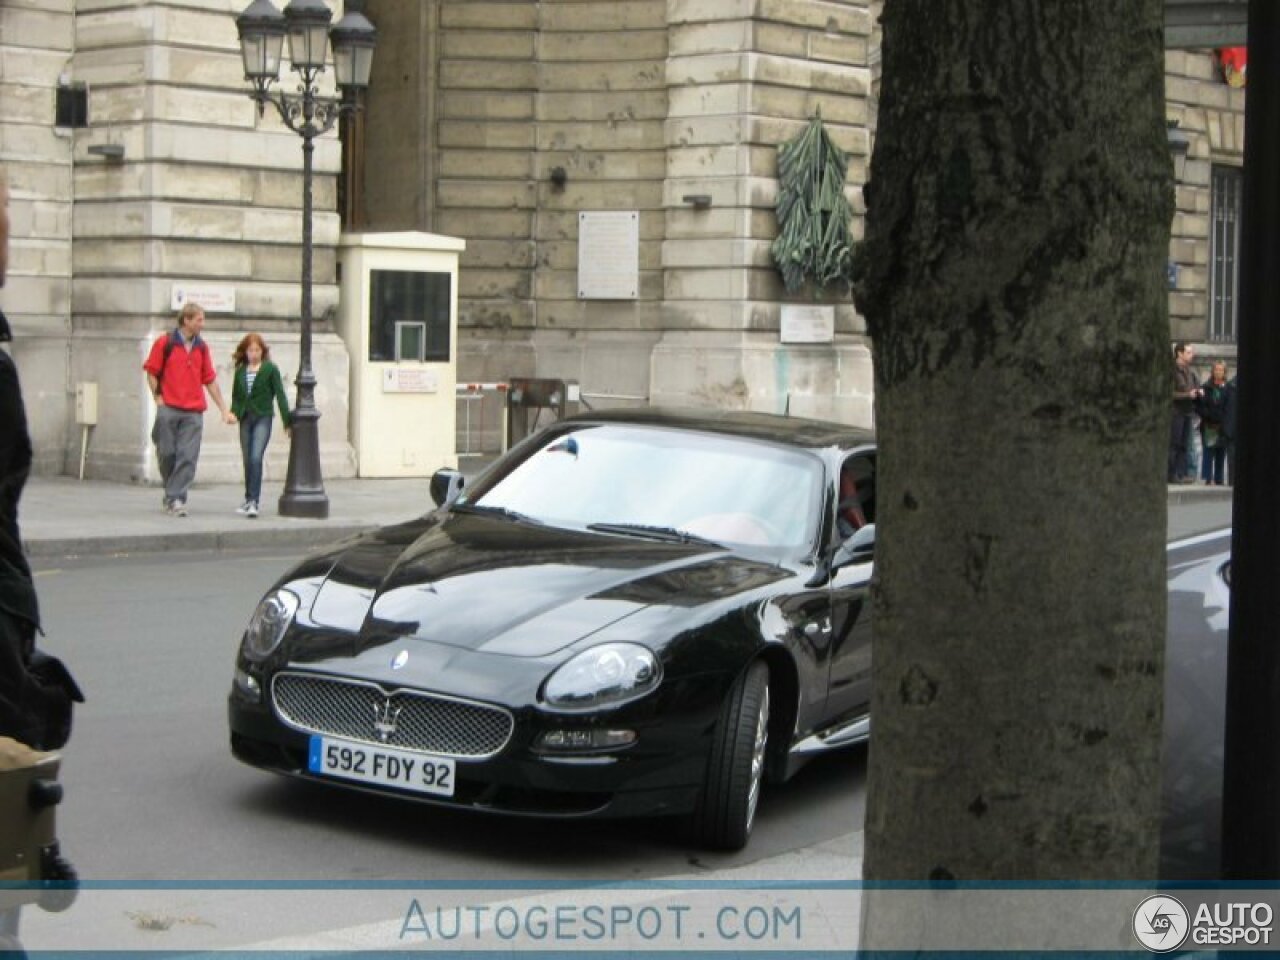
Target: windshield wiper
{"type": "Point", "coordinates": [496, 511]}
{"type": "Point", "coordinates": [670, 534]}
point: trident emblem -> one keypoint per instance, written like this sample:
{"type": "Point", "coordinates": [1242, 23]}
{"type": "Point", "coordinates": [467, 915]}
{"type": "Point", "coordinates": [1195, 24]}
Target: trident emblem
{"type": "Point", "coordinates": [384, 719]}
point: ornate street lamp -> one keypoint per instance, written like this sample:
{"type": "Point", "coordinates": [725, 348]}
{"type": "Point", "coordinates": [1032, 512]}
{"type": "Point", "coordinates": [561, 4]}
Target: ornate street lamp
{"type": "Point", "coordinates": [262, 33]}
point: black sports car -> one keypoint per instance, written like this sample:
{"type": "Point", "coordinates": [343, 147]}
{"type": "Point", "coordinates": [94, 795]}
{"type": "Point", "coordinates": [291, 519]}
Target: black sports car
{"type": "Point", "coordinates": [631, 613]}
{"type": "Point", "coordinates": [638, 613]}
{"type": "Point", "coordinates": [1195, 707]}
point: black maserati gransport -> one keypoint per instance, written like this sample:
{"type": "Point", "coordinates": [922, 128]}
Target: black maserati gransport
{"type": "Point", "coordinates": [631, 613]}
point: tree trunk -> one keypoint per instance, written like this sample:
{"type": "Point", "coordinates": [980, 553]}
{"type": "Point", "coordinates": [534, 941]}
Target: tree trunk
{"type": "Point", "coordinates": [1012, 276]}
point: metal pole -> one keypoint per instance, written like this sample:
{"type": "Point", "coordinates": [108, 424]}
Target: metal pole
{"type": "Point", "coordinates": [1251, 776]}
{"type": "Point", "coordinates": [304, 494]}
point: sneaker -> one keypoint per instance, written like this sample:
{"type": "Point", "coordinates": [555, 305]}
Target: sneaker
{"type": "Point", "coordinates": [251, 509]}
{"type": "Point", "coordinates": [178, 508]}
{"type": "Point", "coordinates": [244, 507]}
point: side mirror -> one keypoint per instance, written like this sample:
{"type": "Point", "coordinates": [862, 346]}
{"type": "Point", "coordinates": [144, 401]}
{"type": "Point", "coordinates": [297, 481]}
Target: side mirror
{"type": "Point", "coordinates": [859, 548]}
{"type": "Point", "coordinates": [446, 484]}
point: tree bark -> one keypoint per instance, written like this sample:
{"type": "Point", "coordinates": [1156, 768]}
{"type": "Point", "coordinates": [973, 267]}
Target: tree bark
{"type": "Point", "coordinates": [1012, 277]}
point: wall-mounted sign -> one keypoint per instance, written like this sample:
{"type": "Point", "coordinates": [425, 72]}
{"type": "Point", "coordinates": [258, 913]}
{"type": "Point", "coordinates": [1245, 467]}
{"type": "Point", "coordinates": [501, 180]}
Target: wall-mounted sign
{"type": "Point", "coordinates": [410, 380]}
{"type": "Point", "coordinates": [215, 298]}
{"type": "Point", "coordinates": [808, 323]}
{"type": "Point", "coordinates": [608, 255]}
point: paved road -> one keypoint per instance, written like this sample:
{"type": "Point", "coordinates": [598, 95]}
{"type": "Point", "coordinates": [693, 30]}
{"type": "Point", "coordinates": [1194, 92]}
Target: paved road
{"type": "Point", "coordinates": [152, 792]}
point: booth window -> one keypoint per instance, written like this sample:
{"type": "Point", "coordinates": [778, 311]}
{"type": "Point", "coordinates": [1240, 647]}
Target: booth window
{"type": "Point", "coordinates": [409, 315]}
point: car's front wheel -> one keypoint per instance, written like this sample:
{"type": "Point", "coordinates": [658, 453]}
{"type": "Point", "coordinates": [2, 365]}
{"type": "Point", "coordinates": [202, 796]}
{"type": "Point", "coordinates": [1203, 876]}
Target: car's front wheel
{"type": "Point", "coordinates": [735, 773]}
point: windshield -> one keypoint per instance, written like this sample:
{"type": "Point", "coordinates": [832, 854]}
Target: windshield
{"type": "Point", "coordinates": [659, 481]}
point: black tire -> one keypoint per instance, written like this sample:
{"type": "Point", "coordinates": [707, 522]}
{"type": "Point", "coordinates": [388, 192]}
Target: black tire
{"type": "Point", "coordinates": [735, 773]}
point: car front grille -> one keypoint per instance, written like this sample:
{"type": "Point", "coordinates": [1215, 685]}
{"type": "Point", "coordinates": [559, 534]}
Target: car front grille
{"type": "Point", "coordinates": [407, 719]}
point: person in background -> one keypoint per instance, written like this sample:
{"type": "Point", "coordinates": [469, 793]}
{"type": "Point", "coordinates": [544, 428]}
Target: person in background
{"type": "Point", "coordinates": [1185, 393]}
{"type": "Point", "coordinates": [256, 383]}
{"type": "Point", "coordinates": [179, 372]}
{"type": "Point", "coordinates": [1229, 429]}
{"type": "Point", "coordinates": [1212, 407]}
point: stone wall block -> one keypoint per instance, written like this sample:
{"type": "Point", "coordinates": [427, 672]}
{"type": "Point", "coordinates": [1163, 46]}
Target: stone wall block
{"type": "Point", "coordinates": [488, 75]}
{"type": "Point", "coordinates": [615, 109]}
{"type": "Point", "coordinates": [480, 224]}
{"type": "Point", "coordinates": [484, 284]}
{"type": "Point", "coordinates": [36, 295]}
{"type": "Point", "coordinates": [499, 194]}
{"type": "Point", "coordinates": [695, 39]}
{"type": "Point", "coordinates": [476, 14]}
{"type": "Point", "coordinates": [496, 164]}
{"type": "Point", "coordinates": [38, 220]}
{"type": "Point", "coordinates": [603, 15]}
{"type": "Point", "coordinates": [598, 165]}
{"type": "Point", "coordinates": [845, 50]}
{"type": "Point", "coordinates": [602, 46]}
{"type": "Point", "coordinates": [486, 106]}
{"type": "Point", "coordinates": [489, 135]}
{"type": "Point", "coordinates": [681, 12]}
{"type": "Point", "coordinates": [831, 17]}
{"type": "Point", "coordinates": [620, 76]}
{"type": "Point", "coordinates": [611, 195]}
{"type": "Point", "coordinates": [27, 104]}
{"type": "Point", "coordinates": [41, 258]}
{"type": "Point", "coordinates": [44, 28]}
{"type": "Point", "coordinates": [715, 252]}
{"type": "Point", "coordinates": [30, 66]}
{"type": "Point", "coordinates": [500, 254]}
{"type": "Point", "coordinates": [610, 135]}
{"type": "Point", "coordinates": [487, 45]}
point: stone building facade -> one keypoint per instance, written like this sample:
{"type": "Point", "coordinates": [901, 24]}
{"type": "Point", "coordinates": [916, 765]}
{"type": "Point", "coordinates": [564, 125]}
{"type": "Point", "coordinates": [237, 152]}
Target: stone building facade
{"type": "Point", "coordinates": [500, 122]}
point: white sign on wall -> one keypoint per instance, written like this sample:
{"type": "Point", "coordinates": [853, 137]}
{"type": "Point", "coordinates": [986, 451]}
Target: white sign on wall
{"type": "Point", "coordinates": [608, 254]}
{"type": "Point", "coordinates": [808, 323]}
{"type": "Point", "coordinates": [410, 380]}
{"type": "Point", "coordinates": [215, 298]}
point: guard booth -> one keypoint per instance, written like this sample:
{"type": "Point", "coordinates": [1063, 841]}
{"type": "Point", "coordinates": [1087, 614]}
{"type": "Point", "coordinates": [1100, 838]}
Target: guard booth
{"type": "Point", "coordinates": [399, 319]}
{"type": "Point", "coordinates": [533, 403]}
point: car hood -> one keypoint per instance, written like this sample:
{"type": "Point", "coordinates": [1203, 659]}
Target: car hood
{"type": "Point", "coordinates": [499, 586]}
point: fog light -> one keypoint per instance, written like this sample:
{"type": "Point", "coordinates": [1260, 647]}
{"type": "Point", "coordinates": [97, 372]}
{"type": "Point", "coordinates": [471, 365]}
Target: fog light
{"type": "Point", "coordinates": [248, 685]}
{"type": "Point", "coordinates": [585, 740]}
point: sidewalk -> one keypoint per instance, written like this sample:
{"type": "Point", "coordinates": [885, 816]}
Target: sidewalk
{"type": "Point", "coordinates": [62, 516]}
{"type": "Point", "coordinates": [65, 517]}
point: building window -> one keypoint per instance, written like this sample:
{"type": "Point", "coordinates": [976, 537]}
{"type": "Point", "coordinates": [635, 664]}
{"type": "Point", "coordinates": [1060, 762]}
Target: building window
{"type": "Point", "coordinates": [71, 106]}
{"type": "Point", "coordinates": [409, 315]}
{"type": "Point", "coordinates": [1224, 247]}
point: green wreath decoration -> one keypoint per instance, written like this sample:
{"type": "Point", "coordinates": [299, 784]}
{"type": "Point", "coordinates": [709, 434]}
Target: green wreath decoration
{"type": "Point", "coordinates": [814, 239]}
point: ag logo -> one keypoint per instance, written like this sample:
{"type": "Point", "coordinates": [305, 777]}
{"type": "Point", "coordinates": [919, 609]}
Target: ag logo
{"type": "Point", "coordinates": [1160, 923]}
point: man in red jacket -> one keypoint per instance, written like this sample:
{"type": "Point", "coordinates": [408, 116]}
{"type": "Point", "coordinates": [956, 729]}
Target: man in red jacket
{"type": "Point", "coordinates": [179, 371]}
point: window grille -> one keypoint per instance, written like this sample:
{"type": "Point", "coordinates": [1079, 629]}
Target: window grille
{"type": "Point", "coordinates": [1224, 248]}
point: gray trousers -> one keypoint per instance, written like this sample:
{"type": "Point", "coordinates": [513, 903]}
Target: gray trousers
{"type": "Point", "coordinates": [176, 435]}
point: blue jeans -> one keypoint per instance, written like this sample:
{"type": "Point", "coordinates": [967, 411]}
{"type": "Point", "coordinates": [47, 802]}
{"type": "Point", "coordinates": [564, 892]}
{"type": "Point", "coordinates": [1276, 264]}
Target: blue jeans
{"type": "Point", "coordinates": [255, 432]}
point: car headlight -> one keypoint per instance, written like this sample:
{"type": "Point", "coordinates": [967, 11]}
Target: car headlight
{"type": "Point", "coordinates": [269, 622]}
{"type": "Point", "coordinates": [603, 676]}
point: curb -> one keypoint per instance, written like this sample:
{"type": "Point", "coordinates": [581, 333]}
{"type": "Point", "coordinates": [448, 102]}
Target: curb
{"type": "Point", "coordinates": [1193, 494]}
{"type": "Point", "coordinates": [197, 541]}
{"type": "Point", "coordinates": [310, 536]}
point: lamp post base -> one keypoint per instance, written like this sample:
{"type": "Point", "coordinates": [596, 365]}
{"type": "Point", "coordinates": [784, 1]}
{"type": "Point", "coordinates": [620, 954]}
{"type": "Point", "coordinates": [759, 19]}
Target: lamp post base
{"type": "Point", "coordinates": [311, 506]}
{"type": "Point", "coordinates": [304, 494]}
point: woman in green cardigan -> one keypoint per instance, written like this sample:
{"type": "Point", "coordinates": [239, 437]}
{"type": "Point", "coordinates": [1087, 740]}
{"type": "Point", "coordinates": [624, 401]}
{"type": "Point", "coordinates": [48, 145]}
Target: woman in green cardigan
{"type": "Point", "coordinates": [257, 382]}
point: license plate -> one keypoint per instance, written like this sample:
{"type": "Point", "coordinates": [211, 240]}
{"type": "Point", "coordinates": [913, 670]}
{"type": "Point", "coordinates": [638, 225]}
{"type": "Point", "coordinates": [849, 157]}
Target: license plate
{"type": "Point", "coordinates": [419, 772]}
